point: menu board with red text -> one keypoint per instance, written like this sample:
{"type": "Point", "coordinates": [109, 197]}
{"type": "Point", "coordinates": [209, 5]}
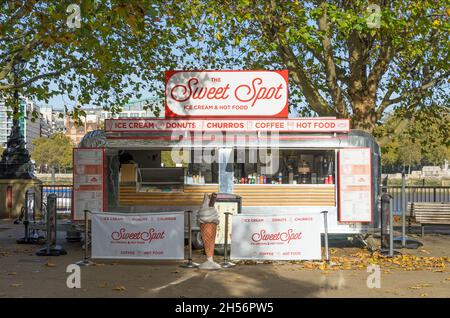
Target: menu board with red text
{"type": "Point", "coordinates": [355, 189]}
{"type": "Point", "coordinates": [88, 181]}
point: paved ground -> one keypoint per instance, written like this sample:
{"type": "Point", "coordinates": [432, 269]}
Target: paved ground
{"type": "Point", "coordinates": [421, 273]}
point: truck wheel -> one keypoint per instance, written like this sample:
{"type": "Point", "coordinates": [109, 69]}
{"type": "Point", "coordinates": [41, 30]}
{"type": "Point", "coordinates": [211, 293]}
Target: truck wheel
{"type": "Point", "coordinates": [197, 242]}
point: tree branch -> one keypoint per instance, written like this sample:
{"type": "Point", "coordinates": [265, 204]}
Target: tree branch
{"type": "Point", "coordinates": [410, 93]}
{"type": "Point", "coordinates": [330, 67]}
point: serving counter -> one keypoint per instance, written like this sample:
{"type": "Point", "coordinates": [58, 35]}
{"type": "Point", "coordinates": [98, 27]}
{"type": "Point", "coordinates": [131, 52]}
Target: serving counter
{"type": "Point", "coordinates": [252, 195]}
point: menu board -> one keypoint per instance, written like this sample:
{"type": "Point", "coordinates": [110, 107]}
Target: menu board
{"type": "Point", "coordinates": [355, 188]}
{"type": "Point", "coordinates": [88, 181]}
{"type": "Point", "coordinates": [222, 207]}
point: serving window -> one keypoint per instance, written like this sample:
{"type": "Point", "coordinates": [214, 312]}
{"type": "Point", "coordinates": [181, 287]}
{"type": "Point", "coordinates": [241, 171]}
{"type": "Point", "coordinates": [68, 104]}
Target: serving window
{"type": "Point", "coordinates": [284, 166]}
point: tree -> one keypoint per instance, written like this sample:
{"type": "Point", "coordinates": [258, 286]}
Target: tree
{"type": "Point", "coordinates": [409, 153]}
{"type": "Point", "coordinates": [103, 62]}
{"type": "Point", "coordinates": [341, 63]}
{"type": "Point", "coordinates": [54, 152]}
{"type": "Point", "coordinates": [411, 138]}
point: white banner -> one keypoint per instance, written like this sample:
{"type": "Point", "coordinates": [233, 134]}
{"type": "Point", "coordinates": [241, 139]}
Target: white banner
{"type": "Point", "coordinates": [276, 237]}
{"type": "Point", "coordinates": [138, 235]}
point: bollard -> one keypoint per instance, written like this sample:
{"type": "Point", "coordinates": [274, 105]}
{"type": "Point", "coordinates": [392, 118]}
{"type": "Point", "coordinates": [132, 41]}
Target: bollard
{"type": "Point", "coordinates": [226, 261]}
{"type": "Point", "coordinates": [391, 229]}
{"type": "Point", "coordinates": [325, 224]}
{"type": "Point", "coordinates": [190, 263]}
{"type": "Point", "coordinates": [86, 261]}
{"type": "Point", "coordinates": [387, 226]}
{"type": "Point", "coordinates": [51, 248]}
{"type": "Point", "coordinates": [403, 208]}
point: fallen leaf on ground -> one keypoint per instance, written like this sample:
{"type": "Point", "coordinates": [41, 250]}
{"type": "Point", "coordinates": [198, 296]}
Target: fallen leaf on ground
{"type": "Point", "coordinates": [420, 285]}
{"type": "Point", "coordinates": [103, 285]}
{"type": "Point", "coordinates": [120, 288]}
{"type": "Point", "coordinates": [175, 272]}
{"type": "Point", "coordinates": [425, 251]}
{"type": "Point", "coordinates": [12, 273]}
{"type": "Point", "coordinates": [15, 285]}
{"type": "Point", "coordinates": [424, 295]}
{"type": "Point", "coordinates": [49, 264]}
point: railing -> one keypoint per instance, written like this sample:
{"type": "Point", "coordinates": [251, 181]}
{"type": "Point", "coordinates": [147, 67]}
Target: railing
{"type": "Point", "coordinates": [413, 194]}
{"type": "Point", "coordinates": [63, 195]}
{"type": "Point", "coordinates": [418, 194]}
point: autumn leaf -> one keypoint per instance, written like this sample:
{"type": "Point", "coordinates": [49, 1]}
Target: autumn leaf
{"type": "Point", "coordinates": [12, 273]}
{"type": "Point", "coordinates": [120, 288]}
{"type": "Point", "coordinates": [424, 295]}
{"type": "Point", "coordinates": [15, 285]}
{"type": "Point", "coordinates": [49, 264]}
{"type": "Point", "coordinates": [103, 285]}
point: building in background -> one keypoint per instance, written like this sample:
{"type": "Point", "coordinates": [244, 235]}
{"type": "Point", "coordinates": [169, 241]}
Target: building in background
{"type": "Point", "coordinates": [29, 127]}
{"type": "Point", "coordinates": [95, 117]}
{"type": "Point", "coordinates": [55, 119]}
{"type": "Point", "coordinates": [50, 121]}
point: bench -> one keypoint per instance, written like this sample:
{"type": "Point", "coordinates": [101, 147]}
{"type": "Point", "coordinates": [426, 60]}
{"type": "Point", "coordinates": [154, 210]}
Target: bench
{"type": "Point", "coordinates": [429, 213]}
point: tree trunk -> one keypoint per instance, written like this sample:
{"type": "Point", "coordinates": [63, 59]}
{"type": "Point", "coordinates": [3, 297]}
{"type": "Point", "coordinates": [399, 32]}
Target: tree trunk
{"type": "Point", "coordinates": [364, 114]}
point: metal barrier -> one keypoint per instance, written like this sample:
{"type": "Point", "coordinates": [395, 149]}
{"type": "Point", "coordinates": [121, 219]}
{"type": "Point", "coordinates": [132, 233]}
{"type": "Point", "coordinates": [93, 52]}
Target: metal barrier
{"type": "Point", "coordinates": [190, 263]}
{"type": "Point", "coordinates": [63, 197]}
{"type": "Point", "coordinates": [417, 194]}
{"type": "Point", "coordinates": [51, 248]}
{"type": "Point", "coordinates": [86, 261]}
{"type": "Point", "coordinates": [226, 261]}
{"type": "Point", "coordinates": [28, 216]}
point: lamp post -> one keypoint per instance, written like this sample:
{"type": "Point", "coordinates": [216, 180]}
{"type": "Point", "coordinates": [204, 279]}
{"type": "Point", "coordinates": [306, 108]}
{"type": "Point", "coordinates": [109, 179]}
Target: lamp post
{"type": "Point", "coordinates": [15, 162]}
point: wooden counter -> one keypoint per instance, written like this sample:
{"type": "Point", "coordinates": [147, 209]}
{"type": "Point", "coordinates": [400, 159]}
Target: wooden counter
{"type": "Point", "coordinates": [252, 195]}
{"type": "Point", "coordinates": [286, 195]}
{"type": "Point", "coordinates": [192, 196]}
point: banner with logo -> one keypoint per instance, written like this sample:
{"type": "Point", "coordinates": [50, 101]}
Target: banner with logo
{"type": "Point", "coordinates": [227, 93]}
{"type": "Point", "coordinates": [138, 235]}
{"type": "Point", "coordinates": [276, 237]}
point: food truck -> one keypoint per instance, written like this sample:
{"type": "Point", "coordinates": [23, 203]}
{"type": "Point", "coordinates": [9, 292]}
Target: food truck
{"type": "Point", "coordinates": [276, 165]}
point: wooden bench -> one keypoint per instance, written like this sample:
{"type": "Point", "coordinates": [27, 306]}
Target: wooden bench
{"type": "Point", "coordinates": [429, 213]}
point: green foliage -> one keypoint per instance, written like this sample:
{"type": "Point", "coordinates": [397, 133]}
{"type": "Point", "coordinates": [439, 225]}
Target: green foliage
{"type": "Point", "coordinates": [420, 137]}
{"type": "Point", "coordinates": [55, 152]}
{"type": "Point", "coordinates": [104, 62]}
{"type": "Point", "coordinates": [339, 65]}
